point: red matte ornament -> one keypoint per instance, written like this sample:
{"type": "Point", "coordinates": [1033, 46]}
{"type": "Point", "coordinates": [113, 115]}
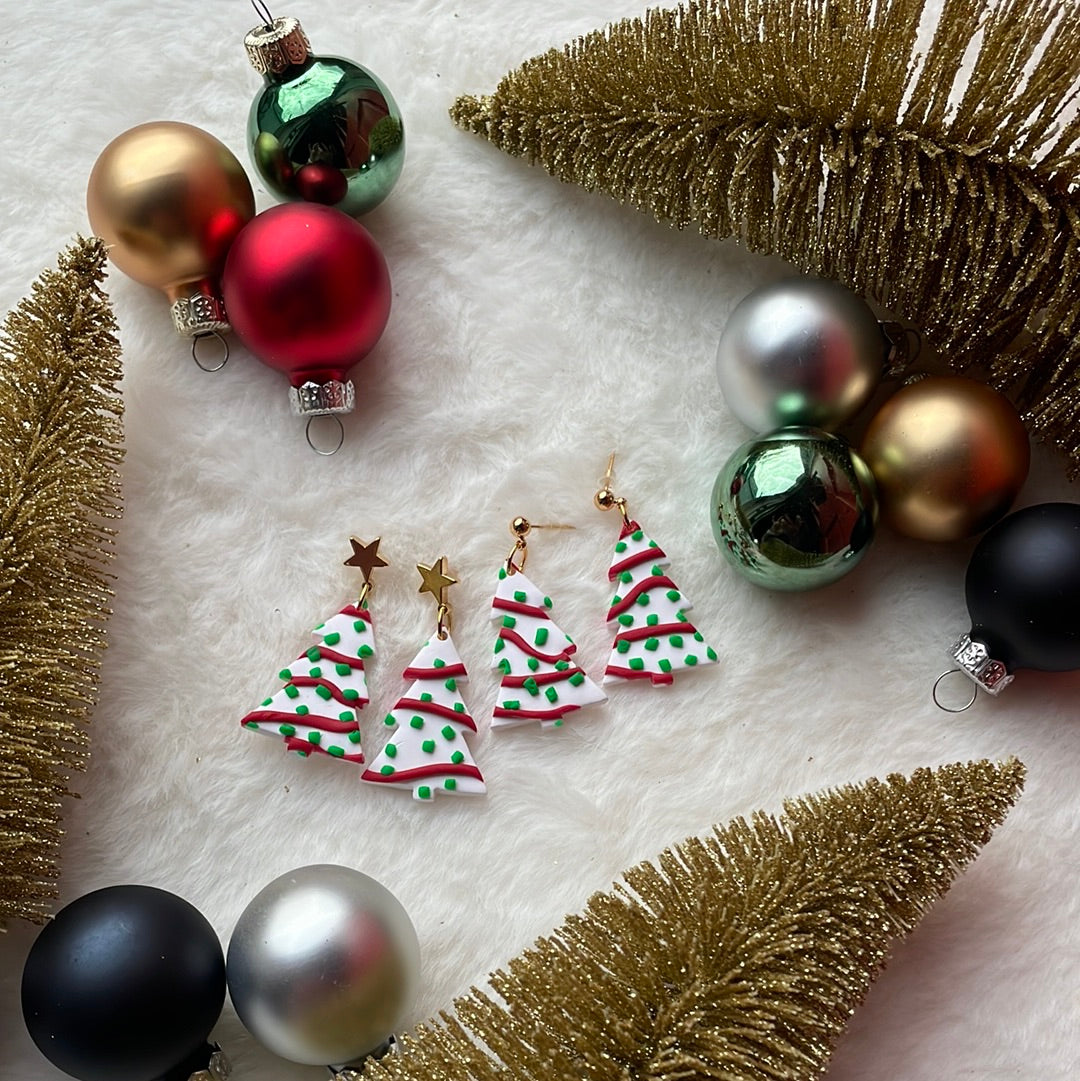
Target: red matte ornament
{"type": "Point", "coordinates": [308, 292]}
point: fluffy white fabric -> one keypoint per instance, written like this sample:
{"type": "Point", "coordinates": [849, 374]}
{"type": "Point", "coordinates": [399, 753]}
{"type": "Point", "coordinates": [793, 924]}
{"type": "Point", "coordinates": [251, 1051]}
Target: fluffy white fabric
{"type": "Point", "coordinates": [535, 329]}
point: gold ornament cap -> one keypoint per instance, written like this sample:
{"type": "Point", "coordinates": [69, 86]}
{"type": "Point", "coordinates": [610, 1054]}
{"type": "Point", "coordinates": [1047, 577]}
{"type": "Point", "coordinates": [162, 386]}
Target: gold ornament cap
{"type": "Point", "coordinates": [274, 47]}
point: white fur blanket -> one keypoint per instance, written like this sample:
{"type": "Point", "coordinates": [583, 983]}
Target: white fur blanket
{"type": "Point", "coordinates": [535, 329]}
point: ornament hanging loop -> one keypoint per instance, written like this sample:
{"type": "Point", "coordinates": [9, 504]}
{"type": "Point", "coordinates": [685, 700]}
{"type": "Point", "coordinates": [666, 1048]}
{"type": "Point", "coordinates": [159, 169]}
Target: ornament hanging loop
{"type": "Point", "coordinates": [264, 13]}
{"type": "Point", "coordinates": [195, 351]}
{"type": "Point", "coordinates": [903, 346]}
{"type": "Point", "coordinates": [942, 705]}
{"type": "Point", "coordinates": [340, 435]}
{"type": "Point", "coordinates": [605, 498]}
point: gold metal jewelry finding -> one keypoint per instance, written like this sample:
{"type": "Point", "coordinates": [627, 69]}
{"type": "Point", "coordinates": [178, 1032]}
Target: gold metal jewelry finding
{"type": "Point", "coordinates": [367, 558]}
{"type": "Point", "coordinates": [436, 581]}
{"type": "Point", "coordinates": [605, 498]}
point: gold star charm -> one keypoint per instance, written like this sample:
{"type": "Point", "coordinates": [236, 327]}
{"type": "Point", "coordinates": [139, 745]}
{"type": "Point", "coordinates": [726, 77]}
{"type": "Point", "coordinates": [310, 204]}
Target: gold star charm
{"type": "Point", "coordinates": [365, 556]}
{"type": "Point", "coordinates": [435, 578]}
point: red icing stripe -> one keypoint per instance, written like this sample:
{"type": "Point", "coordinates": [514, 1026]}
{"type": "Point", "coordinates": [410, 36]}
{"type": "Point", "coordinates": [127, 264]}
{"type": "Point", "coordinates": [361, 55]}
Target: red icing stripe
{"type": "Point", "coordinates": [629, 673]}
{"type": "Point", "coordinates": [541, 678]}
{"type": "Point", "coordinates": [656, 581]}
{"type": "Point", "coordinates": [338, 695]}
{"type": "Point", "coordinates": [522, 609]}
{"type": "Point", "coordinates": [307, 720]}
{"type": "Point", "coordinates": [661, 630]}
{"type": "Point", "coordinates": [435, 673]}
{"type": "Point", "coordinates": [534, 714]}
{"type": "Point", "coordinates": [508, 635]}
{"type": "Point", "coordinates": [400, 776]}
{"type": "Point", "coordinates": [414, 705]}
{"type": "Point", "coordinates": [292, 743]}
{"type": "Point", "coordinates": [329, 655]}
{"type": "Point", "coordinates": [356, 613]}
{"type": "Point", "coordinates": [646, 555]}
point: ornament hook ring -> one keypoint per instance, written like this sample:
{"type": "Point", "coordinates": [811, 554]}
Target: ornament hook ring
{"type": "Point", "coordinates": [195, 351]}
{"type": "Point", "coordinates": [340, 440]}
{"type": "Point", "coordinates": [264, 13]}
{"type": "Point", "coordinates": [953, 709]}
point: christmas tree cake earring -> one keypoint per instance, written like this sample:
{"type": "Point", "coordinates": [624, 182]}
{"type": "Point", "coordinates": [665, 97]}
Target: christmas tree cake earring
{"type": "Point", "coordinates": [540, 681]}
{"type": "Point", "coordinates": [655, 639]}
{"type": "Point", "coordinates": [325, 687]}
{"type": "Point", "coordinates": [428, 752]}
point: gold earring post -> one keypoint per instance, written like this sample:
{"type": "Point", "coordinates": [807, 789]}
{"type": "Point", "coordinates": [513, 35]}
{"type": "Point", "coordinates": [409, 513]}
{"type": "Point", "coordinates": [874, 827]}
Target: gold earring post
{"type": "Point", "coordinates": [436, 581]}
{"type": "Point", "coordinates": [605, 498]}
{"type": "Point", "coordinates": [520, 528]}
{"type": "Point", "coordinates": [367, 558]}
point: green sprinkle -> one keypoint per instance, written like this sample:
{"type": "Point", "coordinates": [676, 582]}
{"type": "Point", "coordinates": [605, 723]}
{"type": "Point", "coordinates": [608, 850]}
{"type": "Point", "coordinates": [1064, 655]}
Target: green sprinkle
{"type": "Point", "coordinates": [332, 638]}
{"type": "Point", "coordinates": [652, 620]}
{"type": "Point", "coordinates": [577, 679]}
{"type": "Point", "coordinates": [315, 737]}
{"type": "Point", "coordinates": [690, 659]}
{"type": "Point", "coordinates": [533, 664]}
{"type": "Point", "coordinates": [665, 664]}
{"type": "Point", "coordinates": [387, 770]}
{"type": "Point", "coordinates": [509, 622]}
{"type": "Point", "coordinates": [365, 651]}
{"type": "Point", "coordinates": [547, 602]}
{"type": "Point", "coordinates": [324, 692]}
{"type": "Point", "coordinates": [302, 754]}
{"type": "Point", "coordinates": [673, 594]}
{"type": "Point", "coordinates": [504, 666]}
{"type": "Point", "coordinates": [284, 674]}
{"type": "Point", "coordinates": [500, 645]}
{"type": "Point", "coordinates": [255, 726]}
{"type": "Point", "coordinates": [287, 730]}
{"type": "Point", "coordinates": [676, 640]}
{"type": "Point", "coordinates": [620, 547]}
{"type": "Point", "coordinates": [354, 736]}
{"type": "Point", "coordinates": [643, 599]}
{"type": "Point", "coordinates": [292, 692]}
{"type": "Point", "coordinates": [627, 620]}
{"type": "Point", "coordinates": [428, 746]}
{"type": "Point", "coordinates": [652, 644]}
{"type": "Point", "coordinates": [457, 758]}
{"type": "Point", "coordinates": [303, 710]}
{"type": "Point", "coordinates": [541, 636]}
{"type": "Point", "coordinates": [342, 669]}
{"type": "Point", "coordinates": [657, 570]}
{"type": "Point", "coordinates": [389, 721]}
{"type": "Point", "coordinates": [438, 663]}
{"type": "Point", "coordinates": [558, 723]}
{"type": "Point", "coordinates": [417, 723]}
{"type": "Point", "coordinates": [561, 666]}
{"type": "Point", "coordinates": [710, 653]}
{"type": "Point", "coordinates": [520, 596]}
{"type": "Point", "coordinates": [425, 697]}
{"type": "Point", "coordinates": [622, 645]}
{"type": "Point", "coordinates": [315, 673]}
{"type": "Point", "coordinates": [698, 636]}
{"type": "Point", "coordinates": [681, 617]}
{"type": "Point", "coordinates": [551, 694]}
{"type": "Point", "coordinates": [346, 715]}
{"type": "Point", "coordinates": [459, 707]}
{"type": "Point", "coordinates": [267, 701]}
{"type": "Point", "coordinates": [653, 544]}
{"type": "Point", "coordinates": [336, 751]}
{"type": "Point", "coordinates": [616, 599]}
{"type": "Point", "coordinates": [450, 784]}
{"type": "Point", "coordinates": [502, 573]}
{"type": "Point", "coordinates": [350, 694]}
{"type": "Point", "coordinates": [359, 626]}
{"type": "Point", "coordinates": [530, 686]}
{"type": "Point", "coordinates": [512, 703]}
{"type": "Point", "coordinates": [638, 535]}
{"type": "Point", "coordinates": [320, 626]}
{"type": "Point", "coordinates": [424, 792]}
{"type": "Point", "coordinates": [636, 664]}
{"type": "Point", "coordinates": [448, 732]}
{"type": "Point", "coordinates": [451, 684]}
{"type": "Point", "coordinates": [626, 577]}
{"type": "Point", "coordinates": [313, 654]}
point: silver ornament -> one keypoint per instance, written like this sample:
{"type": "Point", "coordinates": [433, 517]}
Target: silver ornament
{"type": "Point", "coordinates": [322, 964]}
{"type": "Point", "coordinates": [802, 351]}
{"type": "Point", "coordinates": [795, 509]}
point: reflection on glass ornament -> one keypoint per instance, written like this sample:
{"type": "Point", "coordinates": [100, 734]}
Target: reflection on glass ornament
{"type": "Point", "coordinates": [1023, 596]}
{"type": "Point", "coordinates": [800, 352]}
{"type": "Point", "coordinates": [794, 510]}
{"type": "Point", "coordinates": [322, 129]}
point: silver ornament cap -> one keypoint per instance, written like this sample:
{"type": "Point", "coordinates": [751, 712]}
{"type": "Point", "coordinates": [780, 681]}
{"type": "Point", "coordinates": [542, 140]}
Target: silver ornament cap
{"type": "Point", "coordinates": [800, 352]}
{"type": "Point", "coordinates": [322, 965]}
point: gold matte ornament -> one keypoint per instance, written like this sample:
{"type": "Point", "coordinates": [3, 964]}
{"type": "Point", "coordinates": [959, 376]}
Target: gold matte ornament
{"type": "Point", "coordinates": [168, 199]}
{"type": "Point", "coordinates": [949, 456]}
{"type": "Point", "coordinates": [737, 956]}
{"type": "Point", "coordinates": [932, 169]}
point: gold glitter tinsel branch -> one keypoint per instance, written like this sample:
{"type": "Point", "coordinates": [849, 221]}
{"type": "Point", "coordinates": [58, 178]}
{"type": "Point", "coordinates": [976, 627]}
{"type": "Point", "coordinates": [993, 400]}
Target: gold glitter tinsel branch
{"type": "Point", "coordinates": [60, 432]}
{"type": "Point", "coordinates": [934, 174]}
{"type": "Point", "coordinates": [740, 956]}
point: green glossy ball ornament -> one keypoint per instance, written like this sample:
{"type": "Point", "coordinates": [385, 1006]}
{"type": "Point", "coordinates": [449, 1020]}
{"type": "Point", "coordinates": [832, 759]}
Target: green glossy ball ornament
{"type": "Point", "coordinates": [323, 129]}
{"type": "Point", "coordinates": [795, 509]}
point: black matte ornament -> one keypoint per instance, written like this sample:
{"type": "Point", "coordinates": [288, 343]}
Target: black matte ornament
{"type": "Point", "coordinates": [1023, 589]}
{"type": "Point", "coordinates": [124, 984]}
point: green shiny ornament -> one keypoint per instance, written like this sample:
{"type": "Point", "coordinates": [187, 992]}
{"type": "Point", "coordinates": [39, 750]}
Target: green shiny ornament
{"type": "Point", "coordinates": [795, 509]}
{"type": "Point", "coordinates": [322, 129]}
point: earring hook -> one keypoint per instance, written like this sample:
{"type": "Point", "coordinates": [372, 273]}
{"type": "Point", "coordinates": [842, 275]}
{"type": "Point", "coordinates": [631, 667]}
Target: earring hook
{"type": "Point", "coordinates": [605, 498]}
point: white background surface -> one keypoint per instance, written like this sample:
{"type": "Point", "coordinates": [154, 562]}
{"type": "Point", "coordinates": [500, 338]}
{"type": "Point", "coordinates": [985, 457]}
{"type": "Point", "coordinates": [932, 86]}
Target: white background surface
{"type": "Point", "coordinates": [535, 328]}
